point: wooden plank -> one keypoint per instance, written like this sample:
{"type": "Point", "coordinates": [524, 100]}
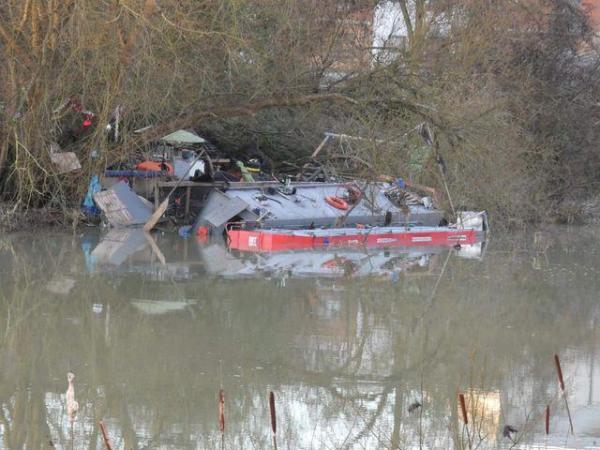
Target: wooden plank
{"type": "Point", "coordinates": [122, 207]}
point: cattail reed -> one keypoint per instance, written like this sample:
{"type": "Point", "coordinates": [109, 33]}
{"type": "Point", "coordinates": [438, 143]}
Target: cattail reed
{"type": "Point", "coordinates": [559, 372]}
{"type": "Point", "coordinates": [562, 388]}
{"type": "Point", "coordinates": [547, 419]}
{"type": "Point", "coordinates": [105, 436]}
{"type": "Point", "coordinates": [463, 408]}
{"type": "Point", "coordinates": [273, 418]}
{"type": "Point", "coordinates": [273, 413]}
{"type": "Point", "coordinates": [222, 411]}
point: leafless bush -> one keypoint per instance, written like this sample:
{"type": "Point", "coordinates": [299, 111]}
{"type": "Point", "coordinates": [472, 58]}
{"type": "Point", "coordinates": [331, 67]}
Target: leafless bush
{"type": "Point", "coordinates": [504, 86]}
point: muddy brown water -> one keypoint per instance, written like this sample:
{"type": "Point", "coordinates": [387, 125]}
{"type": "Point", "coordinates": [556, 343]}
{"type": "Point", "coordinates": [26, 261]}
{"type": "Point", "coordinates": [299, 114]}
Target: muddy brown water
{"type": "Point", "coordinates": [348, 342]}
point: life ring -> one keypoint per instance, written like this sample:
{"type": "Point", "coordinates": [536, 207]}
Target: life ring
{"type": "Point", "coordinates": [336, 202]}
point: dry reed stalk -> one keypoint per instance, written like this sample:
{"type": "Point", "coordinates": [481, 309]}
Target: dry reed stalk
{"type": "Point", "coordinates": [105, 436]}
{"type": "Point", "coordinates": [53, 8]}
{"type": "Point", "coordinates": [562, 388]}
{"type": "Point", "coordinates": [35, 29]}
{"type": "Point", "coordinates": [24, 15]}
{"type": "Point", "coordinates": [463, 408]}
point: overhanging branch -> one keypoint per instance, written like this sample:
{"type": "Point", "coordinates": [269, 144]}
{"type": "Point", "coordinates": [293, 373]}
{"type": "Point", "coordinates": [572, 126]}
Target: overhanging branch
{"type": "Point", "coordinates": [248, 109]}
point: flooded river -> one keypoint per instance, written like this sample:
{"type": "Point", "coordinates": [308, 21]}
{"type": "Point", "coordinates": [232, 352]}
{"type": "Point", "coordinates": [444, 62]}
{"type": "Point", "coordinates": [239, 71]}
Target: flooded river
{"type": "Point", "coordinates": [362, 350]}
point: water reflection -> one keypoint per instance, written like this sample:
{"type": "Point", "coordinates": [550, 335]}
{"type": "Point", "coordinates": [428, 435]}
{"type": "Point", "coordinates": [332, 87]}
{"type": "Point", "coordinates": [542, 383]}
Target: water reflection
{"type": "Point", "coordinates": [132, 250]}
{"type": "Point", "coordinates": [347, 341]}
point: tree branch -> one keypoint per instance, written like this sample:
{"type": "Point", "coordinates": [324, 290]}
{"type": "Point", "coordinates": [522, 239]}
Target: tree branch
{"type": "Point", "coordinates": [248, 109]}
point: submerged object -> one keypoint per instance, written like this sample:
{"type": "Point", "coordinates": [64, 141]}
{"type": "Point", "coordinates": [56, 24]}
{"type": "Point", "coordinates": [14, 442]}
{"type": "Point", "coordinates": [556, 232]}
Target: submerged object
{"type": "Point", "coordinates": [468, 230]}
{"type": "Point", "coordinates": [306, 205]}
{"type": "Point", "coordinates": [277, 239]}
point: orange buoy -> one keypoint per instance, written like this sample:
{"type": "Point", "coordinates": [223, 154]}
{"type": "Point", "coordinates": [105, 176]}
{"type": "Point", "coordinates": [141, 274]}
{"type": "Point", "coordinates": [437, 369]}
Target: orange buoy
{"type": "Point", "coordinates": [336, 202]}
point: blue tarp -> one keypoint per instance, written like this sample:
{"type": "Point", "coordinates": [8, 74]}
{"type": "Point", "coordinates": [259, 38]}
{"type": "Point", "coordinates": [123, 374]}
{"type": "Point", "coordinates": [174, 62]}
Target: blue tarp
{"type": "Point", "coordinates": [88, 206]}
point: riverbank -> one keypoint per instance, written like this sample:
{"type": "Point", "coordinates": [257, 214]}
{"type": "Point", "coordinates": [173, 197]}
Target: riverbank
{"type": "Point", "coordinates": [14, 219]}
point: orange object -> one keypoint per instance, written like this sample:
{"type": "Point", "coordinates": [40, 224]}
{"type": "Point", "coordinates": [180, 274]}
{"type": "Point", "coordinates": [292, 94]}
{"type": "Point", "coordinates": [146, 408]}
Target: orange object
{"type": "Point", "coordinates": [202, 234]}
{"type": "Point", "coordinates": [154, 166]}
{"type": "Point", "coordinates": [337, 202]}
{"type": "Point", "coordinates": [286, 240]}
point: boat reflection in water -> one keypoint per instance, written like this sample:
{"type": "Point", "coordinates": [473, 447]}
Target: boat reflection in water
{"type": "Point", "coordinates": [378, 263]}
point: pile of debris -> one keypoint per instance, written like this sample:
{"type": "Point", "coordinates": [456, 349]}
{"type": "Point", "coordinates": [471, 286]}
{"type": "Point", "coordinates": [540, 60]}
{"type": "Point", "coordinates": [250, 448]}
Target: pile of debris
{"type": "Point", "coordinates": [224, 198]}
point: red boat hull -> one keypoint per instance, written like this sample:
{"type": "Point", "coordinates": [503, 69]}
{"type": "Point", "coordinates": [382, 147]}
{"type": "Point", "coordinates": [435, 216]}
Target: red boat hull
{"type": "Point", "coordinates": [272, 241]}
